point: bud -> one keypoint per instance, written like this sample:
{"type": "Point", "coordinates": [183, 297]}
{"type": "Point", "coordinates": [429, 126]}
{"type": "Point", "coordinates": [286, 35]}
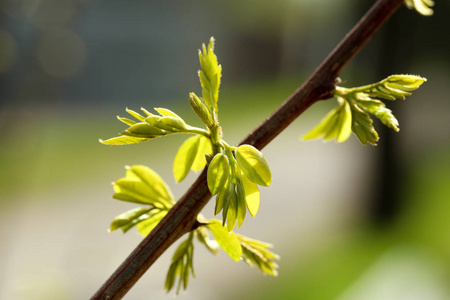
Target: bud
{"type": "Point", "coordinates": [201, 110]}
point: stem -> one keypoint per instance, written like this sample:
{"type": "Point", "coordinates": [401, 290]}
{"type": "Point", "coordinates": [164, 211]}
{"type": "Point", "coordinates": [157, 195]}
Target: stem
{"type": "Point", "coordinates": [182, 217]}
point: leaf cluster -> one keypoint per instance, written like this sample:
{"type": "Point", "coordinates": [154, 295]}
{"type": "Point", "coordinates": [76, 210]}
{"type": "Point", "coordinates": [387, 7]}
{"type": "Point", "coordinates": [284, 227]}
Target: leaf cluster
{"type": "Point", "coordinates": [234, 174]}
{"type": "Point", "coordinates": [142, 185]}
{"type": "Point", "coordinates": [356, 105]}
{"type": "Point", "coordinates": [234, 179]}
{"type": "Point", "coordinates": [423, 7]}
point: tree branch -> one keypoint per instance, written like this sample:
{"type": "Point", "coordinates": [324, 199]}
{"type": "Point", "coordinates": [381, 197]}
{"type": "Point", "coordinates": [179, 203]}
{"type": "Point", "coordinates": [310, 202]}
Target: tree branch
{"type": "Point", "coordinates": [183, 216]}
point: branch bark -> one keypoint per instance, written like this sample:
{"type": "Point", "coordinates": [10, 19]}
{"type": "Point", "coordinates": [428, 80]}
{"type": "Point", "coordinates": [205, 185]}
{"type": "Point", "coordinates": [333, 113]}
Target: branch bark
{"type": "Point", "coordinates": [183, 216]}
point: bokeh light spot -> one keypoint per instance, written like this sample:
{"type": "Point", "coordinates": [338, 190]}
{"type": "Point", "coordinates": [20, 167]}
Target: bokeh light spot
{"type": "Point", "coordinates": [62, 54]}
{"type": "Point", "coordinates": [8, 51]}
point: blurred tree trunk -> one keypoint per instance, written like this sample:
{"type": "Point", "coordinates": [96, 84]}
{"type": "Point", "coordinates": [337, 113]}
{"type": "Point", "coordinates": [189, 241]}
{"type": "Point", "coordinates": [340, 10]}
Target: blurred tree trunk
{"type": "Point", "coordinates": [395, 53]}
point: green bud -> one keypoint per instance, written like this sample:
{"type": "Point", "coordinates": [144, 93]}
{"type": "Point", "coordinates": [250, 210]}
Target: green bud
{"type": "Point", "coordinates": [201, 110]}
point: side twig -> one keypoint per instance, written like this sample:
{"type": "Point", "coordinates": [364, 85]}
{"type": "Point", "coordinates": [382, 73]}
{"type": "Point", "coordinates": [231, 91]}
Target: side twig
{"type": "Point", "coordinates": [183, 216]}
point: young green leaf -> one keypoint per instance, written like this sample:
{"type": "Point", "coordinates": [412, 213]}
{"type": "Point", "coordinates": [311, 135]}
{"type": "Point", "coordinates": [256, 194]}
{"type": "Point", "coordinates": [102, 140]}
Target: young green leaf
{"type": "Point", "coordinates": [325, 125]}
{"type": "Point", "coordinates": [379, 110]}
{"type": "Point", "coordinates": [171, 124]}
{"type": "Point", "coordinates": [181, 266]}
{"type": "Point", "coordinates": [131, 217]}
{"type": "Point", "coordinates": [167, 113]}
{"type": "Point", "coordinates": [143, 185]}
{"type": "Point", "coordinates": [227, 239]}
{"type": "Point", "coordinates": [144, 130]}
{"type": "Point", "coordinates": [203, 237]}
{"type": "Point", "coordinates": [223, 198]}
{"type": "Point", "coordinates": [153, 181]}
{"type": "Point", "coordinates": [362, 126]}
{"type": "Point", "coordinates": [185, 157]}
{"type": "Point", "coordinates": [254, 165]}
{"type": "Point", "coordinates": [241, 207]}
{"type": "Point", "coordinates": [231, 211]}
{"type": "Point", "coordinates": [210, 75]}
{"type": "Point", "coordinates": [201, 110]}
{"type": "Point", "coordinates": [126, 121]}
{"type": "Point", "coordinates": [204, 148]}
{"type": "Point", "coordinates": [136, 191]}
{"type": "Point", "coordinates": [146, 226]}
{"type": "Point", "coordinates": [135, 114]}
{"type": "Point", "coordinates": [252, 195]}
{"type": "Point", "coordinates": [123, 140]}
{"type": "Point", "coordinates": [218, 173]}
{"type": "Point", "coordinates": [337, 123]}
{"type": "Point", "coordinates": [256, 253]}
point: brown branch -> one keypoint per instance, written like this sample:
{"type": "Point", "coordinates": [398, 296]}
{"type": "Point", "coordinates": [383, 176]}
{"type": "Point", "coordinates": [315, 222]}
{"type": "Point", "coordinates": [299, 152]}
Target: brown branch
{"type": "Point", "coordinates": [183, 216]}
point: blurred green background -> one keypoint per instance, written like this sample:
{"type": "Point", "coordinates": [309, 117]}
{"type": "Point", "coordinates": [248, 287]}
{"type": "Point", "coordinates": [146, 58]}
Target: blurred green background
{"type": "Point", "coordinates": [349, 222]}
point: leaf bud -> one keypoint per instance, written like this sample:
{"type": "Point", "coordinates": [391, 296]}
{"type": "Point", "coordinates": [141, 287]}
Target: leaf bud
{"type": "Point", "coordinates": [201, 110]}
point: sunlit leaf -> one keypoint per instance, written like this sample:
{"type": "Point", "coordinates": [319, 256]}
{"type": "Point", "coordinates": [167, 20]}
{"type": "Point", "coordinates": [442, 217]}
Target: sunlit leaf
{"type": "Point", "coordinates": [218, 173]}
{"type": "Point", "coordinates": [231, 211]}
{"type": "Point", "coordinates": [421, 6]}
{"type": "Point", "coordinates": [126, 121]}
{"type": "Point", "coordinates": [153, 181]}
{"type": "Point", "coordinates": [128, 218]}
{"type": "Point", "coordinates": [378, 109]}
{"type": "Point", "coordinates": [185, 157]}
{"type": "Point", "coordinates": [167, 113]}
{"type": "Point", "coordinates": [241, 209]}
{"type": "Point", "coordinates": [181, 266]}
{"type": "Point", "coordinates": [223, 198]}
{"type": "Point", "coordinates": [362, 126]}
{"type": "Point", "coordinates": [227, 240]}
{"type": "Point", "coordinates": [345, 123]}
{"type": "Point", "coordinates": [136, 191]}
{"type": "Point", "coordinates": [171, 124]}
{"type": "Point", "coordinates": [135, 114]}
{"type": "Point", "coordinates": [210, 75]}
{"type": "Point", "coordinates": [145, 130]}
{"type": "Point", "coordinates": [201, 109]}
{"type": "Point", "coordinates": [336, 124]}
{"type": "Point", "coordinates": [123, 140]}
{"type": "Point", "coordinates": [256, 253]}
{"type": "Point", "coordinates": [254, 165]}
{"type": "Point", "coordinates": [204, 148]}
{"type": "Point", "coordinates": [147, 112]}
{"type": "Point", "coordinates": [146, 226]}
{"type": "Point", "coordinates": [203, 237]}
{"type": "Point", "coordinates": [325, 125]}
{"type": "Point", "coordinates": [252, 195]}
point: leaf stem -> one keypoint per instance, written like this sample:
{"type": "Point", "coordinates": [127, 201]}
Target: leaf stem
{"type": "Point", "coordinates": [183, 216]}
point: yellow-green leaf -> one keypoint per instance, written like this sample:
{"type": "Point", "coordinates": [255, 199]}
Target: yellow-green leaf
{"type": "Point", "coordinates": [167, 113]}
{"type": "Point", "coordinates": [254, 165]}
{"type": "Point", "coordinates": [152, 179]}
{"type": "Point", "coordinates": [127, 218]}
{"type": "Point", "coordinates": [123, 140]}
{"type": "Point", "coordinates": [252, 195]}
{"type": "Point", "coordinates": [204, 148]}
{"type": "Point", "coordinates": [345, 123]}
{"type": "Point", "coordinates": [185, 157]}
{"type": "Point", "coordinates": [218, 173]}
{"type": "Point", "coordinates": [325, 125]}
{"type": "Point", "coordinates": [145, 130]}
{"type": "Point", "coordinates": [227, 240]}
{"type": "Point", "coordinates": [146, 226]}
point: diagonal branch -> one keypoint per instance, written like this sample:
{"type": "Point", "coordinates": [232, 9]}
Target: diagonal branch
{"type": "Point", "coordinates": [183, 216]}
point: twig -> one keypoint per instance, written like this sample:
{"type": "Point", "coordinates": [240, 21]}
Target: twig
{"type": "Point", "coordinates": [183, 216]}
